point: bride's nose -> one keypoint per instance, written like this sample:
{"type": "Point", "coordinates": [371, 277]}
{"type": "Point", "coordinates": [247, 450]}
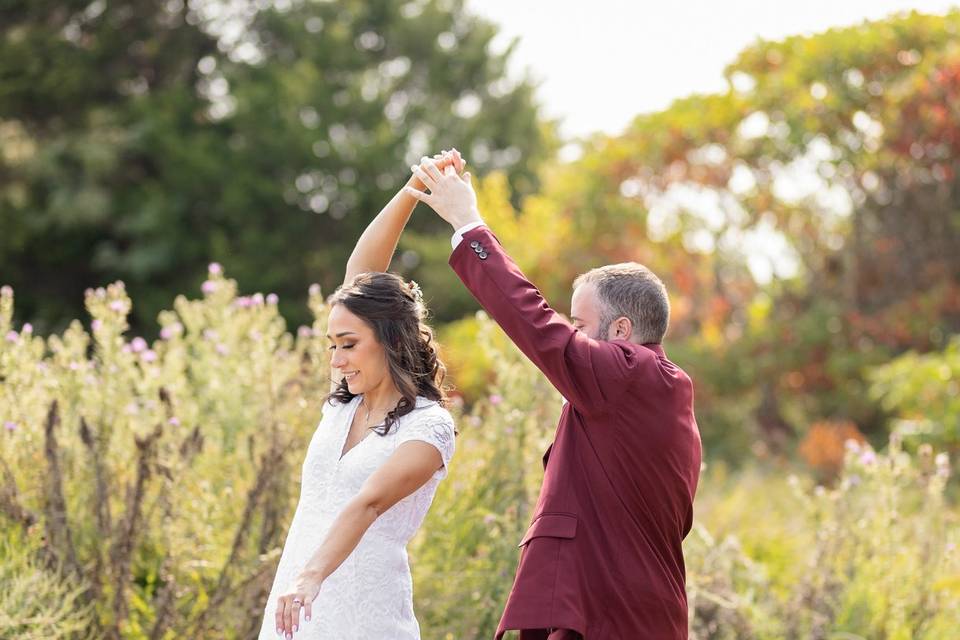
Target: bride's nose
{"type": "Point", "coordinates": [338, 360]}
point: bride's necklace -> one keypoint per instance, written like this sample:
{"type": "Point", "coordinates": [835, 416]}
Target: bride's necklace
{"type": "Point", "coordinates": [366, 420]}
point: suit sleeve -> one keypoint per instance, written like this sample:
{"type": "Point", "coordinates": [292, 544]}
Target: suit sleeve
{"type": "Point", "coordinates": [589, 373]}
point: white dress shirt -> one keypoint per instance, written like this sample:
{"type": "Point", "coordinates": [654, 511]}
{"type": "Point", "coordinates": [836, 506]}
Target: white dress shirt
{"type": "Point", "coordinates": [458, 234]}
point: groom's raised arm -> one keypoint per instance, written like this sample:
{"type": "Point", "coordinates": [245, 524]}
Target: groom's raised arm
{"type": "Point", "coordinates": [589, 373]}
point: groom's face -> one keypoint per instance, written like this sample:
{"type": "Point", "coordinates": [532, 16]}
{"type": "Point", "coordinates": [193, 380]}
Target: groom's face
{"type": "Point", "coordinates": [585, 311]}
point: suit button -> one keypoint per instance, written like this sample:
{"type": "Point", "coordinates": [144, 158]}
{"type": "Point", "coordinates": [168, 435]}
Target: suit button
{"type": "Point", "coordinates": [474, 244]}
{"type": "Point", "coordinates": [482, 255]}
{"type": "Point", "coordinates": [477, 249]}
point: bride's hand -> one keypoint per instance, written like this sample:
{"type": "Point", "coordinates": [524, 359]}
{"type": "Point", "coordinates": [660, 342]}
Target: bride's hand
{"type": "Point", "coordinates": [442, 160]}
{"type": "Point", "coordinates": [301, 595]}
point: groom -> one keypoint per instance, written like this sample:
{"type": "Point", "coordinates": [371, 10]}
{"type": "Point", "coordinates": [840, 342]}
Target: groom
{"type": "Point", "coordinates": [602, 558]}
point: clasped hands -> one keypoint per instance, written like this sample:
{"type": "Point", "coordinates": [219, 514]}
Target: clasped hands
{"type": "Point", "coordinates": [451, 192]}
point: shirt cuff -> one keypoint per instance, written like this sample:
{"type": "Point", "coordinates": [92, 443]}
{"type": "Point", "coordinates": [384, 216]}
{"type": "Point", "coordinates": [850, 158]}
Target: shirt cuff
{"type": "Point", "coordinates": [458, 234]}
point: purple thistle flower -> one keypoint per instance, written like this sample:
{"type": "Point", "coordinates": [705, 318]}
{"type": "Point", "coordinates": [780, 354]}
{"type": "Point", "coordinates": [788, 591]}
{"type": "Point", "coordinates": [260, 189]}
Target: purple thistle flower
{"type": "Point", "coordinates": [12, 336]}
{"type": "Point", "coordinates": [243, 302]}
{"type": "Point", "coordinates": [149, 355]}
{"type": "Point", "coordinates": [10, 426]}
{"type": "Point", "coordinates": [495, 399]}
{"type": "Point", "coordinates": [208, 286]}
{"type": "Point", "coordinates": [175, 421]}
{"type": "Point", "coordinates": [215, 269]}
{"type": "Point", "coordinates": [138, 344]}
{"type": "Point", "coordinates": [27, 328]}
{"type": "Point", "coordinates": [868, 457]}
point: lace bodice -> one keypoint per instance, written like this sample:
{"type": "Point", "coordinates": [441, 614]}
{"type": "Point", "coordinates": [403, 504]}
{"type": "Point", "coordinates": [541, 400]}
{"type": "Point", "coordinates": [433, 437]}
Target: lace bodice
{"type": "Point", "coordinates": [371, 594]}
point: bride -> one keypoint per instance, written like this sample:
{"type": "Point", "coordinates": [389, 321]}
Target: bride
{"type": "Point", "coordinates": [373, 465]}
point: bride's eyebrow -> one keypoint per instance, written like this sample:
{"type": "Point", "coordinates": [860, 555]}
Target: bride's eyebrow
{"type": "Point", "coordinates": [341, 334]}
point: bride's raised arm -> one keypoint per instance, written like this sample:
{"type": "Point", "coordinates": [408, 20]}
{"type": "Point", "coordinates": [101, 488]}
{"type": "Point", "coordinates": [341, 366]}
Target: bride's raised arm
{"type": "Point", "coordinates": [376, 245]}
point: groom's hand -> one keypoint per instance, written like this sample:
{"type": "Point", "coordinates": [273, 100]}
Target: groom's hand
{"type": "Point", "coordinates": [451, 195]}
{"type": "Point", "coordinates": [442, 160]}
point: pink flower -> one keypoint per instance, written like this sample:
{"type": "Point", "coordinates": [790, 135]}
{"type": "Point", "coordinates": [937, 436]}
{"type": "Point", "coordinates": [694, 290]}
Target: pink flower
{"type": "Point", "coordinates": [12, 336]}
{"type": "Point", "coordinates": [495, 399]}
{"type": "Point", "coordinates": [243, 302]}
{"type": "Point", "coordinates": [138, 344]}
{"type": "Point", "coordinates": [215, 269]}
{"type": "Point", "coordinates": [96, 325]}
{"type": "Point", "coordinates": [118, 306]}
{"type": "Point", "coordinates": [149, 355]}
{"type": "Point", "coordinates": [314, 289]}
{"type": "Point", "coordinates": [172, 330]}
{"type": "Point", "coordinates": [868, 457]}
{"type": "Point", "coordinates": [304, 332]}
{"type": "Point", "coordinates": [272, 298]}
{"type": "Point", "coordinates": [222, 349]}
{"type": "Point", "coordinates": [6, 291]}
{"type": "Point", "coordinates": [10, 426]}
{"type": "Point", "coordinates": [208, 286]}
{"type": "Point", "coordinates": [258, 299]}
{"type": "Point", "coordinates": [127, 348]}
{"type": "Point", "coordinates": [175, 421]}
{"type": "Point", "coordinates": [27, 328]}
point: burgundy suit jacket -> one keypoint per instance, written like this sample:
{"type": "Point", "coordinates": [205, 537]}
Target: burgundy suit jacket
{"type": "Point", "coordinates": [603, 554]}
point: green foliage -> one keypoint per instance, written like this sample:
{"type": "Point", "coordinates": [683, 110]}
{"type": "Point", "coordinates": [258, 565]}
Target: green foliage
{"type": "Point", "coordinates": [139, 141]}
{"type": "Point", "coordinates": [923, 393]}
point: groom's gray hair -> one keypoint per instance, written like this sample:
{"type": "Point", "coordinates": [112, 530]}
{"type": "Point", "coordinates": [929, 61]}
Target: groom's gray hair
{"type": "Point", "coordinates": [632, 290]}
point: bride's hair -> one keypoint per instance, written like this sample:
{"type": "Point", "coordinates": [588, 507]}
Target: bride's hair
{"type": "Point", "coordinates": [396, 313]}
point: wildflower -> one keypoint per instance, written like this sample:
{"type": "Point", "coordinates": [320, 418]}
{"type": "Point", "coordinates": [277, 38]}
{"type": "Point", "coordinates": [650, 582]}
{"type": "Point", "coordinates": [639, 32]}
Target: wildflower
{"type": "Point", "coordinates": [243, 302]}
{"type": "Point", "coordinates": [174, 421]}
{"type": "Point", "coordinates": [314, 289]}
{"type": "Point", "coordinates": [6, 291]}
{"type": "Point", "coordinates": [304, 332]}
{"type": "Point", "coordinates": [215, 269]}
{"type": "Point", "coordinates": [172, 330]}
{"type": "Point", "coordinates": [495, 399]}
{"type": "Point", "coordinates": [222, 349]}
{"type": "Point", "coordinates": [138, 344]}
{"type": "Point", "coordinates": [10, 426]}
{"type": "Point", "coordinates": [489, 519]}
{"type": "Point", "coordinates": [868, 457]}
{"type": "Point", "coordinates": [208, 286]}
{"type": "Point", "coordinates": [117, 305]}
{"type": "Point", "coordinates": [273, 298]}
{"type": "Point", "coordinates": [258, 299]}
{"type": "Point", "coordinates": [27, 329]}
{"type": "Point", "coordinates": [96, 325]}
{"type": "Point", "coordinates": [12, 336]}
{"type": "Point", "coordinates": [149, 355]}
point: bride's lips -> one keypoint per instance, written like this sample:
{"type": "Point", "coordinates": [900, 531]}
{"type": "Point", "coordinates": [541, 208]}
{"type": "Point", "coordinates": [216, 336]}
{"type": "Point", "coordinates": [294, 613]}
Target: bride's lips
{"type": "Point", "coordinates": [350, 376]}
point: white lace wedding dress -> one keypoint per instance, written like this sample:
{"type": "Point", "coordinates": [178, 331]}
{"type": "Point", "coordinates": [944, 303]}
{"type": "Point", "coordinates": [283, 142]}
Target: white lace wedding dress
{"type": "Point", "coordinates": [370, 596]}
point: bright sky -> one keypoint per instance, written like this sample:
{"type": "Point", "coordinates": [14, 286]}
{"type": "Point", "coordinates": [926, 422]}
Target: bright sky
{"type": "Point", "coordinates": [601, 62]}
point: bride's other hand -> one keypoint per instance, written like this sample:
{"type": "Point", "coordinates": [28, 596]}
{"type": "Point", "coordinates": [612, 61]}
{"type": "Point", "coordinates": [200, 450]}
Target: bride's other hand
{"type": "Point", "coordinates": [300, 596]}
{"type": "Point", "coordinates": [442, 160]}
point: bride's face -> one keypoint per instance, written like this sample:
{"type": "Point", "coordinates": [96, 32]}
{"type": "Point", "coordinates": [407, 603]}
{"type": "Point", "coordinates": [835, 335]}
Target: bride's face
{"type": "Point", "coordinates": [355, 352]}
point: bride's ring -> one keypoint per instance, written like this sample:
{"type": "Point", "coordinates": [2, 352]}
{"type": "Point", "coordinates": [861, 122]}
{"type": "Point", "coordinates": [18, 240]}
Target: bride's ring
{"type": "Point", "coordinates": [297, 601]}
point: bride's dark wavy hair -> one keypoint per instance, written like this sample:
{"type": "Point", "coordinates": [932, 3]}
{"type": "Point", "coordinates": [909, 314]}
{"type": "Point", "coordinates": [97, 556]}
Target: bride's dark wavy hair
{"type": "Point", "coordinates": [397, 315]}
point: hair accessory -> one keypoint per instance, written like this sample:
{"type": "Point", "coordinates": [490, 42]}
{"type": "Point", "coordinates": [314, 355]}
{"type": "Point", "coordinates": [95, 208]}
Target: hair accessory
{"type": "Point", "coordinates": [415, 290]}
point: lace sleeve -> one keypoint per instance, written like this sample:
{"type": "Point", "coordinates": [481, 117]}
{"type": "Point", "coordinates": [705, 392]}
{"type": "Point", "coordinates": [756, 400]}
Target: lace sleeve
{"type": "Point", "coordinates": [433, 429]}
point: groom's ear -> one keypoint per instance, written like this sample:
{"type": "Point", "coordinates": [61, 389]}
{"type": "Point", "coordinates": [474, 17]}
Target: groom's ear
{"type": "Point", "coordinates": [621, 329]}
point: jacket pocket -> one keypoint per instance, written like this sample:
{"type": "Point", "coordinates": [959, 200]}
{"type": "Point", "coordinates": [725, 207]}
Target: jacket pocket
{"type": "Point", "coordinates": [551, 525]}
